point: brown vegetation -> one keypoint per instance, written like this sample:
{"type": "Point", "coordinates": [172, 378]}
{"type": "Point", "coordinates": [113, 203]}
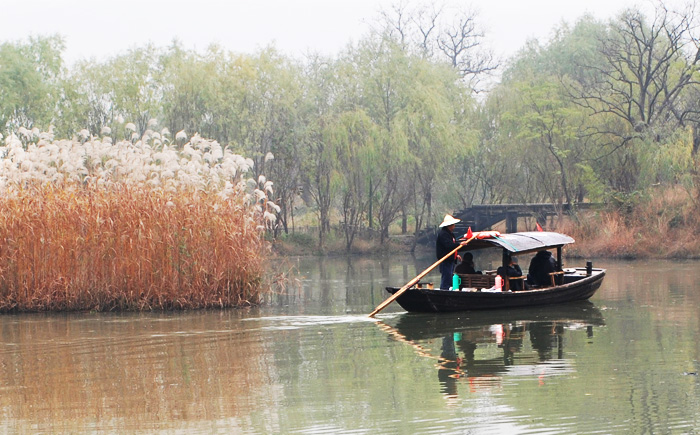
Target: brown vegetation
{"type": "Point", "coordinates": [127, 248]}
{"type": "Point", "coordinates": [665, 225]}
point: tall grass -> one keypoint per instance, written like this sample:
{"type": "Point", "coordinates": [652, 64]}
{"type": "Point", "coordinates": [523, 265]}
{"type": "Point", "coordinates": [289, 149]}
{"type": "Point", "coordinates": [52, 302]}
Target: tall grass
{"type": "Point", "coordinates": [91, 238]}
{"type": "Point", "coordinates": [664, 225]}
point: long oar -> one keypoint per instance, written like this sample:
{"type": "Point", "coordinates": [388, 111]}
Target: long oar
{"type": "Point", "coordinates": [391, 298]}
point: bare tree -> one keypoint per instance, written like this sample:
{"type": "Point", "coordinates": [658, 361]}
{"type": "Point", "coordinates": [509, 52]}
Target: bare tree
{"type": "Point", "coordinates": [439, 32]}
{"type": "Point", "coordinates": [460, 42]}
{"type": "Point", "coordinates": [426, 21]}
{"type": "Point", "coordinates": [647, 68]}
{"type": "Point", "coordinates": [395, 22]}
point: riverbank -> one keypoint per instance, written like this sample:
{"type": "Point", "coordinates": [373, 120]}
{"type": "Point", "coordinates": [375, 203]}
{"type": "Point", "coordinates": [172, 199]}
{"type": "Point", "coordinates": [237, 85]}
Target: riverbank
{"type": "Point", "coordinates": [307, 245]}
{"type": "Point", "coordinates": [665, 224]}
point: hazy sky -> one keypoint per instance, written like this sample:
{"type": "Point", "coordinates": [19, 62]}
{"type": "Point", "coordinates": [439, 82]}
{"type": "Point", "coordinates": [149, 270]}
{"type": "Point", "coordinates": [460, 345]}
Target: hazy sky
{"type": "Point", "coordinates": [99, 28]}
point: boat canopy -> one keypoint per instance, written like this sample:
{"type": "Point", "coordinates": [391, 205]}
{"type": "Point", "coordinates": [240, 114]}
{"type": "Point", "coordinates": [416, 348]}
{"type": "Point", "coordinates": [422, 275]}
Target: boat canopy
{"type": "Point", "coordinates": [522, 242]}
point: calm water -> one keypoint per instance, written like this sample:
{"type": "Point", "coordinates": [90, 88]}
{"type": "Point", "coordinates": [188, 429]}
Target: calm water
{"type": "Point", "coordinates": [313, 362]}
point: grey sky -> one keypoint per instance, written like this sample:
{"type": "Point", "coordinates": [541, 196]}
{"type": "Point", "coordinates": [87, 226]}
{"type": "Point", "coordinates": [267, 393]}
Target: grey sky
{"type": "Point", "coordinates": [99, 28]}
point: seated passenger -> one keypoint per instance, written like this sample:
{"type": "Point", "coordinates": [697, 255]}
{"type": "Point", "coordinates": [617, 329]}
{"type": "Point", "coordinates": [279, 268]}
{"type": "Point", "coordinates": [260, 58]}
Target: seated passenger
{"type": "Point", "coordinates": [466, 267]}
{"type": "Point", "coordinates": [541, 265]}
{"type": "Point", "coordinates": [512, 270]}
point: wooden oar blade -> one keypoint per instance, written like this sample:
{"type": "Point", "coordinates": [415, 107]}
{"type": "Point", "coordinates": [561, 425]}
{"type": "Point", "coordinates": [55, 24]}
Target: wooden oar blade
{"type": "Point", "coordinates": [389, 300]}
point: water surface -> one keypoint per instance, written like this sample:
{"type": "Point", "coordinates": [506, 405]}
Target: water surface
{"type": "Point", "coordinates": [311, 361]}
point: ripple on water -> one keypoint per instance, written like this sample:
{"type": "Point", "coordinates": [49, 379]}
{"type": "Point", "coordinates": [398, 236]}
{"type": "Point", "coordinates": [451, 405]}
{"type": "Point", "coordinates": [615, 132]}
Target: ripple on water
{"type": "Point", "coordinates": [297, 322]}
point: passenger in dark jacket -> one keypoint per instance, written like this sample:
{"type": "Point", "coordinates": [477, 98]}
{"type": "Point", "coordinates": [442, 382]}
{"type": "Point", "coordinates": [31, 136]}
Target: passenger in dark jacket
{"type": "Point", "coordinates": [511, 270]}
{"type": "Point", "coordinates": [445, 243]}
{"type": "Point", "coordinates": [541, 265]}
{"type": "Point", "coordinates": [466, 267]}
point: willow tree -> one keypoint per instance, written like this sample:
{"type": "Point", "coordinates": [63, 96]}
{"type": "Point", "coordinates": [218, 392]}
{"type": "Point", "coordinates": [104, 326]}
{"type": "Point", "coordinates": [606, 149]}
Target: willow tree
{"type": "Point", "coordinates": [319, 158]}
{"type": "Point", "coordinates": [386, 76]}
{"type": "Point", "coordinates": [261, 103]}
{"type": "Point", "coordinates": [248, 102]}
{"type": "Point", "coordinates": [134, 87]}
{"type": "Point", "coordinates": [418, 106]}
{"type": "Point", "coordinates": [191, 86]}
{"type": "Point", "coordinates": [487, 172]}
{"type": "Point", "coordinates": [647, 65]}
{"type": "Point", "coordinates": [86, 101]}
{"type": "Point", "coordinates": [440, 121]}
{"type": "Point", "coordinates": [30, 74]}
{"type": "Point", "coordinates": [355, 139]}
{"type": "Point", "coordinates": [434, 127]}
{"type": "Point", "coordinates": [535, 142]}
{"type": "Point", "coordinates": [550, 130]}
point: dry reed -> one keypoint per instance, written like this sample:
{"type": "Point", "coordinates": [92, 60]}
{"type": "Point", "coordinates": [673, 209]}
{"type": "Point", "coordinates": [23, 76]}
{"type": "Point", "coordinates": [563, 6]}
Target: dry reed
{"type": "Point", "coordinates": [127, 247]}
{"type": "Point", "coordinates": [664, 225]}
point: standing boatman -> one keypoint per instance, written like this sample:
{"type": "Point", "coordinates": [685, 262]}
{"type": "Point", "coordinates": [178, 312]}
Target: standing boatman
{"type": "Point", "coordinates": [445, 243]}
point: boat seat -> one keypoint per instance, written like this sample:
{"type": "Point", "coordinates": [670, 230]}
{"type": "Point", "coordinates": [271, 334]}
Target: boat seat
{"type": "Point", "coordinates": [515, 278]}
{"type": "Point", "coordinates": [554, 275]}
{"type": "Point", "coordinates": [477, 280]}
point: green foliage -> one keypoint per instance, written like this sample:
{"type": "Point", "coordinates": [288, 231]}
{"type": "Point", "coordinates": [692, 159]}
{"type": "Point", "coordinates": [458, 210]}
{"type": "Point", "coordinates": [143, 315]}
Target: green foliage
{"type": "Point", "coordinates": [388, 129]}
{"type": "Point", "coordinates": [670, 160]}
{"type": "Point", "coordinates": [29, 82]}
{"type": "Point", "coordinates": [593, 186]}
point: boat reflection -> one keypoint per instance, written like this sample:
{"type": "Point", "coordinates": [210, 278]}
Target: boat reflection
{"type": "Point", "coordinates": [483, 347]}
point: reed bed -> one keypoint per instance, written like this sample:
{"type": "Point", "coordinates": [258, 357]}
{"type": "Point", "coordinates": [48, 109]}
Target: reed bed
{"type": "Point", "coordinates": [665, 225]}
{"type": "Point", "coordinates": [97, 238]}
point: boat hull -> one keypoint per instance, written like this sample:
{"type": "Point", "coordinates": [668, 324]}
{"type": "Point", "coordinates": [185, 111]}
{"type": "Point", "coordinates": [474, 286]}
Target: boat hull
{"type": "Point", "coordinates": [443, 301]}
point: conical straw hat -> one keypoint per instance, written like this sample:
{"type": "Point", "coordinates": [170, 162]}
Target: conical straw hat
{"type": "Point", "coordinates": [449, 220]}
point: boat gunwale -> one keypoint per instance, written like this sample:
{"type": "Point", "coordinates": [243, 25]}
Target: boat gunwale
{"type": "Point", "coordinates": [596, 274]}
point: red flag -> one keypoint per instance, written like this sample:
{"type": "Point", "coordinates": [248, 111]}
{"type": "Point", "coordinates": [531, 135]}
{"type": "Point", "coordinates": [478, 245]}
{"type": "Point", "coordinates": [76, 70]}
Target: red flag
{"type": "Point", "coordinates": [469, 233]}
{"type": "Point", "coordinates": [539, 228]}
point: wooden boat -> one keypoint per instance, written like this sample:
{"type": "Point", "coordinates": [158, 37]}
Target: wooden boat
{"type": "Point", "coordinates": [476, 292]}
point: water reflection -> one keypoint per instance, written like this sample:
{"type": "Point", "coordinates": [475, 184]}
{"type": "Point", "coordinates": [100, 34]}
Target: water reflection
{"type": "Point", "coordinates": [312, 361]}
{"type": "Point", "coordinates": [97, 372]}
{"type": "Point", "coordinates": [481, 348]}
